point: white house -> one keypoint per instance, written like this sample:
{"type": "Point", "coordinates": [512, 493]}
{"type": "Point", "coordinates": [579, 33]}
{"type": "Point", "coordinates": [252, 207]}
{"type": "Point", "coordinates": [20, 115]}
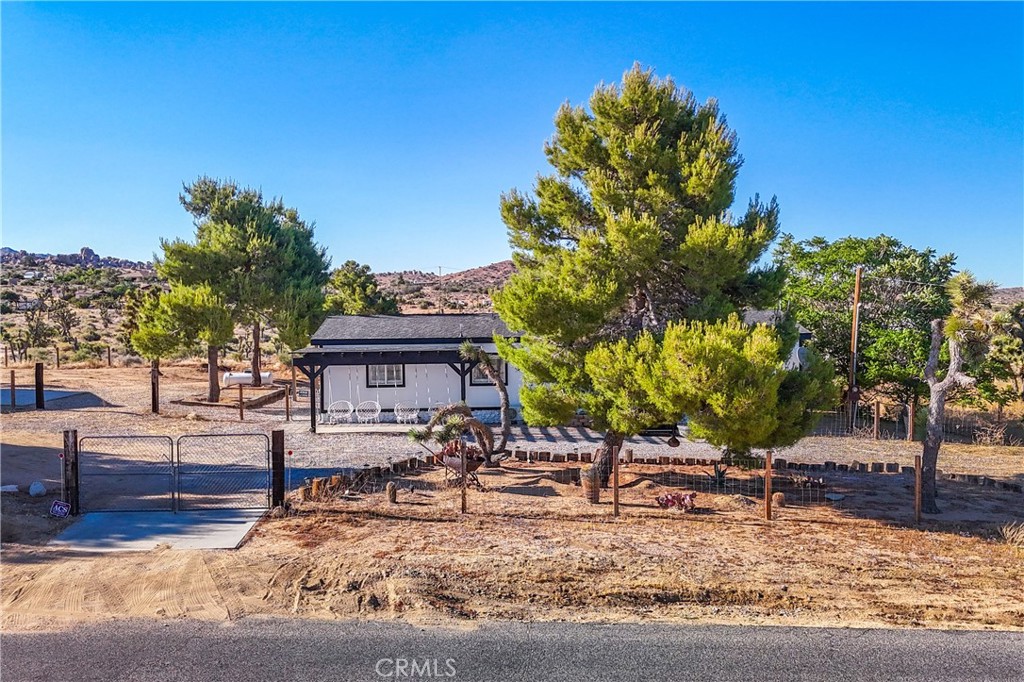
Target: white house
{"type": "Point", "coordinates": [413, 361]}
{"type": "Point", "coordinates": [410, 360]}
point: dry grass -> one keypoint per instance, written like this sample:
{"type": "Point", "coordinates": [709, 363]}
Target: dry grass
{"type": "Point", "coordinates": [533, 549]}
{"type": "Point", "coordinates": [1013, 534]}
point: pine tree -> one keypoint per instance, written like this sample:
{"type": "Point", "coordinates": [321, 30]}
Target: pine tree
{"type": "Point", "coordinates": [632, 231]}
{"type": "Point", "coordinates": [259, 257]}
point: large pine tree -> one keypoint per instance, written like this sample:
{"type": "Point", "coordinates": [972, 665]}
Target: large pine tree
{"type": "Point", "coordinates": [257, 256]}
{"type": "Point", "coordinates": [630, 232]}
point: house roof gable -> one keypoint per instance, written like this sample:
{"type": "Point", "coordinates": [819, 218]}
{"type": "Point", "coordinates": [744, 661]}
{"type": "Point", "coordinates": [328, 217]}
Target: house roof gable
{"type": "Point", "coordinates": [380, 329]}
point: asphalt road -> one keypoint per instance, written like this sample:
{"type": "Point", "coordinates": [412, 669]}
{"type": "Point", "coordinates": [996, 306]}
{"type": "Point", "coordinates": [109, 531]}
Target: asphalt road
{"type": "Point", "coordinates": [294, 650]}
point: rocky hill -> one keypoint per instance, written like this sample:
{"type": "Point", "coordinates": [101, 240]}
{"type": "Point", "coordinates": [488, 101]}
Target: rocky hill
{"type": "Point", "coordinates": [85, 257]}
{"type": "Point", "coordinates": [427, 292]}
{"type": "Point", "coordinates": [1006, 297]}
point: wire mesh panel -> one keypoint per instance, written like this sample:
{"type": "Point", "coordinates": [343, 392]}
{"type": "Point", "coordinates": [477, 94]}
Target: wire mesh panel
{"type": "Point", "coordinates": [223, 471]}
{"type": "Point", "coordinates": [798, 488]}
{"type": "Point", "coordinates": [126, 473]}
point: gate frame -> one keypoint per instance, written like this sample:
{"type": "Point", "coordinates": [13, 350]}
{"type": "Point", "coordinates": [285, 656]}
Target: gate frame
{"type": "Point", "coordinates": [177, 464]}
{"type": "Point", "coordinates": [73, 479]}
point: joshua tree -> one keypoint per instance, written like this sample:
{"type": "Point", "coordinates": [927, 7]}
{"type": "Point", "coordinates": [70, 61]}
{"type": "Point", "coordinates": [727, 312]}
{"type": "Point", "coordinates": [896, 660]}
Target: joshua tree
{"type": "Point", "coordinates": [451, 423]}
{"type": "Point", "coordinates": [472, 353]}
{"type": "Point", "coordinates": [966, 327]}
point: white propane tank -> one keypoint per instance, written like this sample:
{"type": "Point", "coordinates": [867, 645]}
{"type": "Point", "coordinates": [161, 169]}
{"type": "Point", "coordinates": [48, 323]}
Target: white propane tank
{"type": "Point", "coordinates": [244, 378]}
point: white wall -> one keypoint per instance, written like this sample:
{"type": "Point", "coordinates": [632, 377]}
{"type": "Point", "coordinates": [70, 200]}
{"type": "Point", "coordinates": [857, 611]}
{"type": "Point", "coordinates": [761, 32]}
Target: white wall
{"type": "Point", "coordinates": [424, 385]}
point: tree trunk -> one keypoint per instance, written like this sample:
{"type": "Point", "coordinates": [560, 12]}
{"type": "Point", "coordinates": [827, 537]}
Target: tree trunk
{"type": "Point", "coordinates": [213, 391]}
{"type": "Point", "coordinates": [603, 461]}
{"type": "Point", "coordinates": [257, 380]}
{"type": "Point", "coordinates": [470, 352]}
{"type": "Point", "coordinates": [930, 457]}
{"type": "Point", "coordinates": [506, 411]}
{"type": "Point", "coordinates": [937, 408]}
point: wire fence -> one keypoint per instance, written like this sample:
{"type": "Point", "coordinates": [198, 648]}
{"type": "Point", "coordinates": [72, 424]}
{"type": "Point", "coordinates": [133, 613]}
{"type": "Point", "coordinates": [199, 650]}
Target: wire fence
{"type": "Point", "coordinates": [891, 422]}
{"type": "Point", "coordinates": [798, 489]}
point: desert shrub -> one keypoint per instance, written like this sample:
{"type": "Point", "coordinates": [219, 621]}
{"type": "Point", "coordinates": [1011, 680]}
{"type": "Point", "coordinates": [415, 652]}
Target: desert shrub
{"type": "Point", "coordinates": [39, 355]}
{"type": "Point", "coordinates": [133, 361]}
{"type": "Point", "coordinates": [5, 308]}
{"type": "Point", "coordinates": [87, 351]}
{"type": "Point", "coordinates": [1013, 534]}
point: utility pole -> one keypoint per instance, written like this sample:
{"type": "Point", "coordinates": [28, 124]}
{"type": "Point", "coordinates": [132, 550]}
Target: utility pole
{"type": "Point", "coordinates": [440, 289]}
{"type": "Point", "coordinates": [853, 348]}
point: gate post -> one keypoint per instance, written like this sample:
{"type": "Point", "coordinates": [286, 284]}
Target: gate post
{"type": "Point", "coordinates": [154, 387]}
{"type": "Point", "coordinates": [40, 399]}
{"type": "Point", "coordinates": [277, 468]}
{"type": "Point", "coordinates": [69, 470]}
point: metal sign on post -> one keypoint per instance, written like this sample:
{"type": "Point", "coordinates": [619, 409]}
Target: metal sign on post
{"type": "Point", "coordinates": [60, 509]}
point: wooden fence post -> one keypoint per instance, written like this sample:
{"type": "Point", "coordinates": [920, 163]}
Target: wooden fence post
{"type": "Point", "coordinates": [40, 398]}
{"type": "Point", "coordinates": [768, 485]}
{"type": "Point", "coordinates": [917, 489]}
{"type": "Point", "coordinates": [910, 418]}
{"type": "Point", "coordinates": [277, 491]}
{"type": "Point", "coordinates": [5, 356]}
{"type": "Point", "coordinates": [56, 349]}
{"type": "Point", "coordinates": [241, 404]}
{"type": "Point", "coordinates": [615, 481]}
{"type": "Point", "coordinates": [69, 470]}
{"type": "Point", "coordinates": [293, 380]}
{"type": "Point", "coordinates": [110, 362]}
{"type": "Point", "coordinates": [878, 420]}
{"type": "Point", "coordinates": [287, 404]}
{"type": "Point", "coordinates": [154, 387]}
{"type": "Point", "coordinates": [14, 393]}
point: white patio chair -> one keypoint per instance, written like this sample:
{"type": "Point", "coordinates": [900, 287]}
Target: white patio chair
{"type": "Point", "coordinates": [407, 414]}
{"type": "Point", "coordinates": [368, 411]}
{"type": "Point", "coordinates": [340, 411]}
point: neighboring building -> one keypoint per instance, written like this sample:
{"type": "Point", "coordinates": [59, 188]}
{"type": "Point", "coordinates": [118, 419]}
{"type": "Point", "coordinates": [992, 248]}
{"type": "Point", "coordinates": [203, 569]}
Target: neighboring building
{"type": "Point", "coordinates": [773, 317]}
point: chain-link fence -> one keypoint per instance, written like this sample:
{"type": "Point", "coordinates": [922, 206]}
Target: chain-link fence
{"type": "Point", "coordinates": [890, 422]}
{"type": "Point", "coordinates": [126, 473]}
{"type": "Point", "coordinates": [223, 471]}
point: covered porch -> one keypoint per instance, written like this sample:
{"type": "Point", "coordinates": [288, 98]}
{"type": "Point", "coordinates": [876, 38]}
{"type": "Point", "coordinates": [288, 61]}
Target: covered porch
{"type": "Point", "coordinates": [354, 384]}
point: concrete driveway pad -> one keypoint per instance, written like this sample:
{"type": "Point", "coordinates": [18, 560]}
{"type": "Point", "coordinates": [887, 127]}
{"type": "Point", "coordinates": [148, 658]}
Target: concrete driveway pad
{"type": "Point", "coordinates": [141, 531]}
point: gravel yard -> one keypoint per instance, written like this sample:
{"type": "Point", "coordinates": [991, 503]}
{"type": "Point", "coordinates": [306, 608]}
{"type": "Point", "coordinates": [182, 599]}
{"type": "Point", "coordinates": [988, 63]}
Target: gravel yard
{"type": "Point", "coordinates": [116, 401]}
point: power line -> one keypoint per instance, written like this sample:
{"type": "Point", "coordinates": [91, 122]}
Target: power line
{"type": "Point", "coordinates": [905, 281]}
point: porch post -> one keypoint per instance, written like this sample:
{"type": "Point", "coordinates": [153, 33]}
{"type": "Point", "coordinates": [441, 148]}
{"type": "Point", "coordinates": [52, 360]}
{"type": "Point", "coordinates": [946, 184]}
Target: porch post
{"type": "Point", "coordinates": [462, 380]}
{"type": "Point", "coordinates": [312, 401]}
{"type": "Point", "coordinates": [322, 391]}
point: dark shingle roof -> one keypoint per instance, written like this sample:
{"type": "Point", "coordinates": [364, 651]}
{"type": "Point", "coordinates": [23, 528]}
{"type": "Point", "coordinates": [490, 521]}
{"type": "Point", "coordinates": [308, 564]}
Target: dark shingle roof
{"type": "Point", "coordinates": [768, 317]}
{"type": "Point", "coordinates": [348, 329]}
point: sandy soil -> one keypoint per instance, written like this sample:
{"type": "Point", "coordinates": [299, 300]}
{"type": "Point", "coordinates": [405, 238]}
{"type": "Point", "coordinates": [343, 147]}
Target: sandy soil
{"type": "Point", "coordinates": [531, 548]}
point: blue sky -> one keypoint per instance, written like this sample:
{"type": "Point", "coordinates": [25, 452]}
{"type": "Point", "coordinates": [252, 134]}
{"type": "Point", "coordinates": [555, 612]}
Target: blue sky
{"type": "Point", "coordinates": [396, 127]}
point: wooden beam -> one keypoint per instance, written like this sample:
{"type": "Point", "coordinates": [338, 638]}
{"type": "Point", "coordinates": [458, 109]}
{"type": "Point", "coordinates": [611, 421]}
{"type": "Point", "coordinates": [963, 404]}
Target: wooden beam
{"type": "Point", "coordinates": [312, 401]}
{"type": "Point", "coordinates": [462, 381]}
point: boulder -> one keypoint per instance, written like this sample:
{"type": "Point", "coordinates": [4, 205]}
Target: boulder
{"type": "Point", "coordinates": [37, 489]}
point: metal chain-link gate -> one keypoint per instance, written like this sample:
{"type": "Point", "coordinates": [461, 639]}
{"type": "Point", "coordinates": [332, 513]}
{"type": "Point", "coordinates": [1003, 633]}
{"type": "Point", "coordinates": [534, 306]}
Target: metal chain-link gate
{"type": "Point", "coordinates": [155, 473]}
{"type": "Point", "coordinates": [218, 471]}
{"type": "Point", "coordinates": [126, 473]}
